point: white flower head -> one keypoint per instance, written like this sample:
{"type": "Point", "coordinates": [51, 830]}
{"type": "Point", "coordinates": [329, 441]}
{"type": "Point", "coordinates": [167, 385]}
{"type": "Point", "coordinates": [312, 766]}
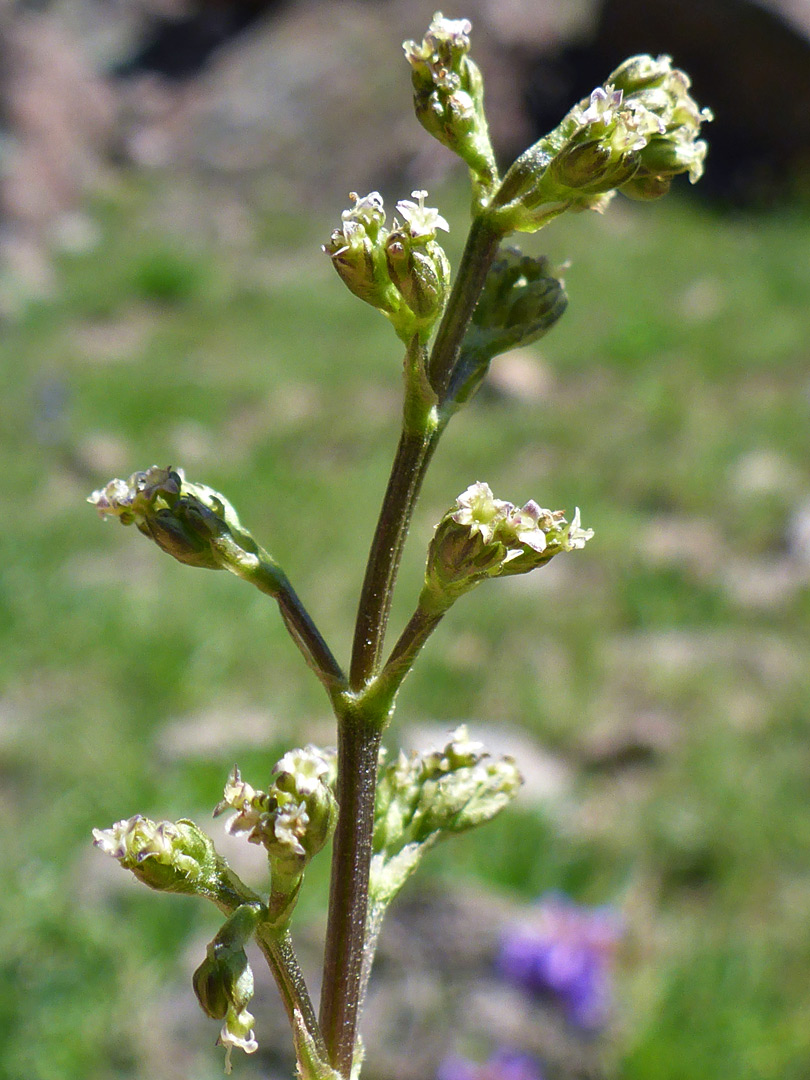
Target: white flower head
{"type": "Point", "coordinates": [422, 221]}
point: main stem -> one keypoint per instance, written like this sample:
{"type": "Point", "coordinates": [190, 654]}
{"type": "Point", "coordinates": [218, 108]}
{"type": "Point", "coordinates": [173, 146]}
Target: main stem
{"type": "Point", "coordinates": [360, 722]}
{"type": "Point", "coordinates": [407, 473]}
{"type": "Point", "coordinates": [358, 753]}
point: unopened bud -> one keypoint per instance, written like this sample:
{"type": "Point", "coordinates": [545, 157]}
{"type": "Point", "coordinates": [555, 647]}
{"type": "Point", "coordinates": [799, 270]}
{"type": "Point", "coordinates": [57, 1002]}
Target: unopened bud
{"type": "Point", "coordinates": [223, 982]}
{"type": "Point", "coordinates": [522, 298]}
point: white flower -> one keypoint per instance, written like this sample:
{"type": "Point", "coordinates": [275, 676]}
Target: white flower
{"type": "Point", "coordinates": [423, 221]}
{"type": "Point", "coordinates": [237, 1031]}
{"type": "Point", "coordinates": [454, 31]}
{"type": "Point", "coordinates": [481, 511]}
{"type": "Point", "coordinates": [604, 104]}
{"type": "Point", "coordinates": [577, 536]}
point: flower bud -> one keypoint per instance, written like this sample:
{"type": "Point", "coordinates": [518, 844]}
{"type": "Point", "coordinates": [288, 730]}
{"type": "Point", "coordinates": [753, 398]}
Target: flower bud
{"type": "Point", "coordinates": [357, 251]}
{"type": "Point", "coordinates": [417, 265]}
{"type": "Point", "coordinates": [191, 522]}
{"type": "Point", "coordinates": [169, 856]}
{"type": "Point", "coordinates": [449, 94]}
{"type": "Point", "coordinates": [521, 300]}
{"type": "Point", "coordinates": [223, 982]}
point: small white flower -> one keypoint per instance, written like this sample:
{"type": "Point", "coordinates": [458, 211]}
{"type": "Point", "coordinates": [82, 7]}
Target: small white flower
{"type": "Point", "coordinates": [368, 210]}
{"type": "Point", "coordinates": [237, 1031]}
{"type": "Point", "coordinates": [481, 511]}
{"type": "Point", "coordinates": [577, 536]}
{"type": "Point", "coordinates": [423, 221]}
{"type": "Point", "coordinates": [603, 106]}
{"type": "Point", "coordinates": [454, 30]}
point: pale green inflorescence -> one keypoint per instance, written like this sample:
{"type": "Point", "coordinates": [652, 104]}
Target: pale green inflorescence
{"type": "Point", "coordinates": [633, 134]}
{"type": "Point", "coordinates": [483, 537]}
{"type": "Point", "coordinates": [422, 797]}
{"type": "Point", "coordinates": [191, 522]}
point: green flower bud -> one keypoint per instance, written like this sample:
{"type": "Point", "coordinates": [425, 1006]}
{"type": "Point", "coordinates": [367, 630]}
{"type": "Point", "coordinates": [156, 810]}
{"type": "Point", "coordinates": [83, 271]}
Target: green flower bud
{"type": "Point", "coordinates": [169, 856]}
{"type": "Point", "coordinates": [449, 94]}
{"type": "Point", "coordinates": [357, 251]}
{"type": "Point", "coordinates": [521, 300]}
{"type": "Point", "coordinates": [191, 522]}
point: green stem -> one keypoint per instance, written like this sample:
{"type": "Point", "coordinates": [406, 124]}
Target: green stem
{"type": "Point", "coordinates": [280, 955]}
{"type": "Point", "coordinates": [361, 712]}
{"type": "Point", "coordinates": [270, 579]}
{"type": "Point", "coordinates": [413, 637]}
{"type": "Point", "coordinates": [278, 950]}
{"type": "Point", "coordinates": [479, 252]}
{"type": "Point", "coordinates": [358, 754]}
{"type": "Point", "coordinates": [407, 473]}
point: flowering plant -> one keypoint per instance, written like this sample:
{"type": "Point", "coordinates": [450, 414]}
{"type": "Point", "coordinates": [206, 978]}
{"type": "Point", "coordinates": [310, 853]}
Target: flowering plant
{"type": "Point", "coordinates": [633, 134]}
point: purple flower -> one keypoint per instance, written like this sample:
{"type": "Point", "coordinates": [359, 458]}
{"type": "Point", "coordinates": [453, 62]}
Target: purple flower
{"type": "Point", "coordinates": [564, 953]}
{"type": "Point", "coordinates": [504, 1064]}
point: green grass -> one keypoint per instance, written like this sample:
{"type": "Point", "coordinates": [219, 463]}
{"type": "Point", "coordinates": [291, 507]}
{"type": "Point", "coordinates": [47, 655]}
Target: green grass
{"type": "Point", "coordinates": [679, 372]}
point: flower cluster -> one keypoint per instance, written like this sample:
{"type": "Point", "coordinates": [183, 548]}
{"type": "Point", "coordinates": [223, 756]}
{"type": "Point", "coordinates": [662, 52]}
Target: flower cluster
{"type": "Point", "coordinates": [421, 797]}
{"type": "Point", "coordinates": [483, 537]}
{"type": "Point", "coordinates": [295, 818]}
{"type": "Point", "coordinates": [447, 790]}
{"type": "Point", "coordinates": [449, 94]}
{"type": "Point", "coordinates": [168, 856]}
{"type": "Point", "coordinates": [564, 954]}
{"type": "Point", "coordinates": [403, 272]}
{"type": "Point", "coordinates": [633, 134]}
{"type": "Point", "coordinates": [522, 299]}
{"type": "Point", "coordinates": [191, 522]}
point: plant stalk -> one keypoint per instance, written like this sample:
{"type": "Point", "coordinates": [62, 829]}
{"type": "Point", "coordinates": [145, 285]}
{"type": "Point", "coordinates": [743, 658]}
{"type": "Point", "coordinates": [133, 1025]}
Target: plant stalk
{"type": "Point", "coordinates": [358, 754]}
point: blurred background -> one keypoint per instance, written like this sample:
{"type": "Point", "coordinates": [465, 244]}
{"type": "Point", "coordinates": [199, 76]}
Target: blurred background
{"type": "Point", "coordinates": [168, 170]}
